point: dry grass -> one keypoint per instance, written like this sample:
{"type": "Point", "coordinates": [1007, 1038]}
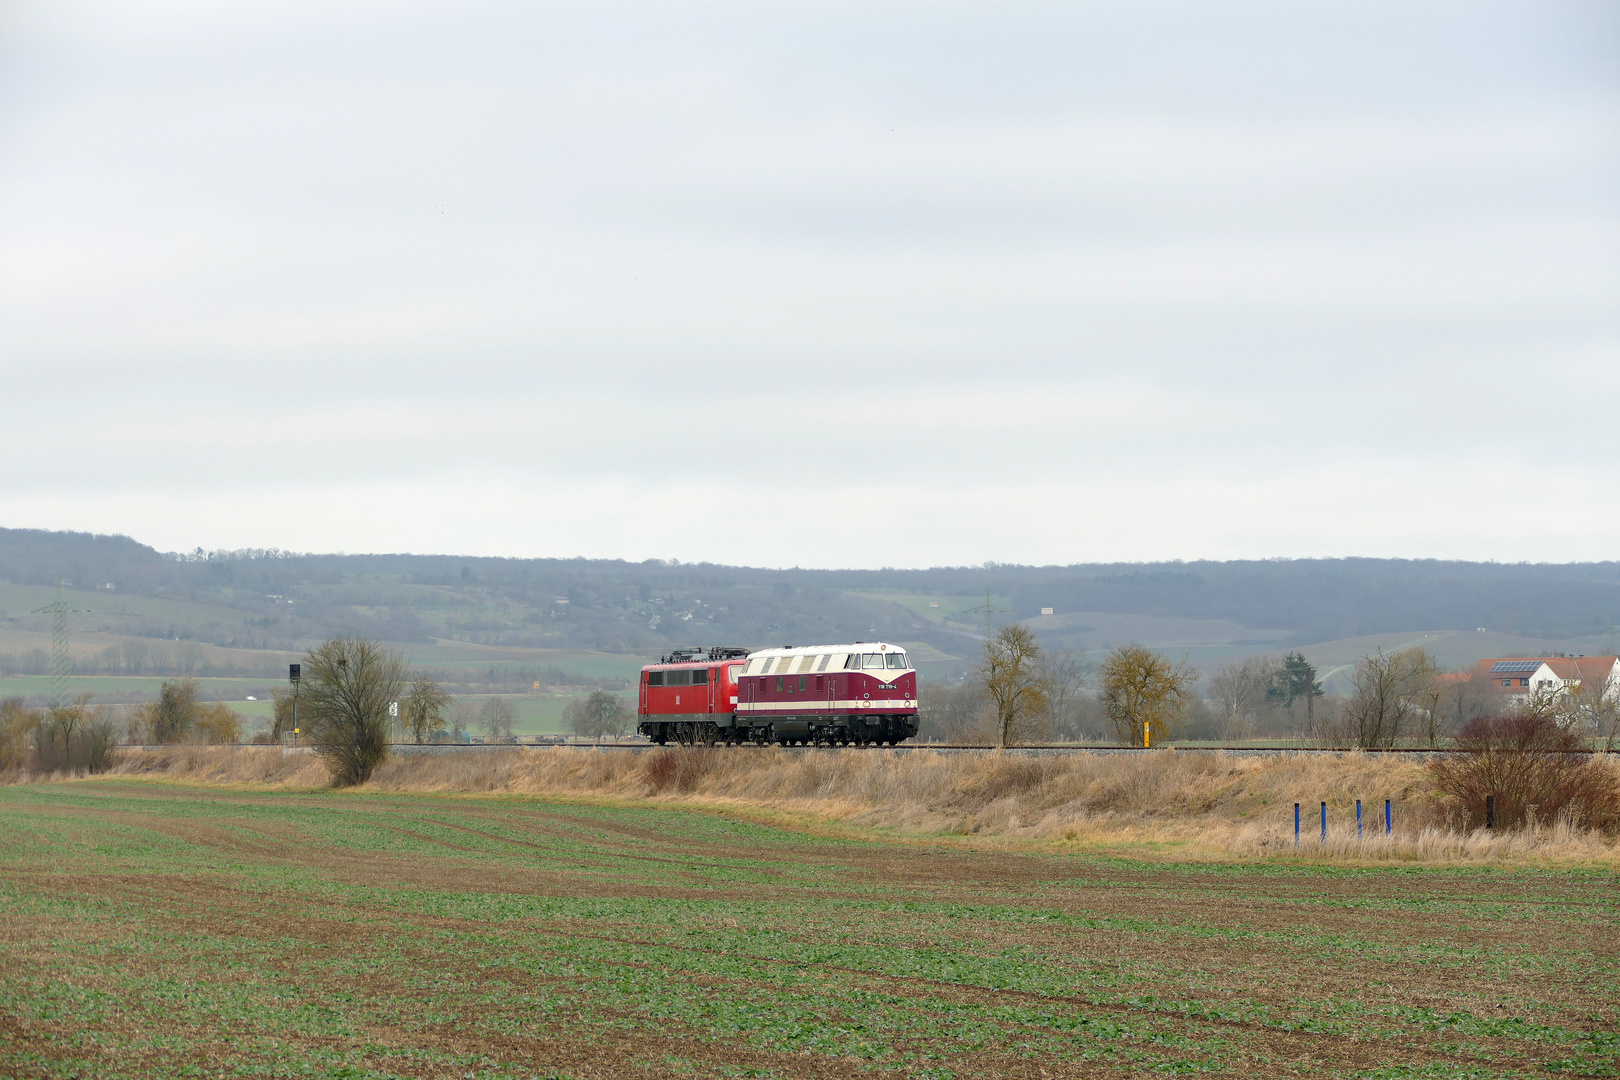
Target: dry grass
{"type": "Point", "coordinates": [1184, 804]}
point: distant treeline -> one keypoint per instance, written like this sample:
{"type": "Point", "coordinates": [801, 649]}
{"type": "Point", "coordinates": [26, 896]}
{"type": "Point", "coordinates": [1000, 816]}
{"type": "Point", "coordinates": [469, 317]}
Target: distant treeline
{"type": "Point", "coordinates": [649, 606]}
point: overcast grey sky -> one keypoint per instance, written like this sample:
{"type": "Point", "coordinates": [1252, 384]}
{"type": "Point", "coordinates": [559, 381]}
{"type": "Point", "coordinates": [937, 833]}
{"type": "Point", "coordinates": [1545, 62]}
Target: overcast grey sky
{"type": "Point", "coordinates": [820, 284]}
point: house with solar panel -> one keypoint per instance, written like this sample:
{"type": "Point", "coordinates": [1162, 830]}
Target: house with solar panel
{"type": "Point", "coordinates": [1520, 677]}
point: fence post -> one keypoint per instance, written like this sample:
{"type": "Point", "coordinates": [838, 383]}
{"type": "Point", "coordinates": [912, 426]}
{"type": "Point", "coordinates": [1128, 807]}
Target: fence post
{"type": "Point", "coordinates": [1296, 824]}
{"type": "Point", "coordinates": [1490, 813]}
{"type": "Point", "coordinates": [1389, 821]}
{"type": "Point", "coordinates": [1358, 819]}
{"type": "Point", "coordinates": [1324, 823]}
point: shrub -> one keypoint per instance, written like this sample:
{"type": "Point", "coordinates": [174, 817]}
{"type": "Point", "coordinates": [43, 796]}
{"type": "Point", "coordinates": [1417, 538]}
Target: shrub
{"type": "Point", "coordinates": [218, 723]}
{"type": "Point", "coordinates": [73, 737]}
{"type": "Point", "coordinates": [348, 685]}
{"type": "Point", "coordinates": [680, 770]}
{"type": "Point", "coordinates": [171, 717]}
{"type": "Point", "coordinates": [17, 724]}
{"type": "Point", "coordinates": [1530, 766]}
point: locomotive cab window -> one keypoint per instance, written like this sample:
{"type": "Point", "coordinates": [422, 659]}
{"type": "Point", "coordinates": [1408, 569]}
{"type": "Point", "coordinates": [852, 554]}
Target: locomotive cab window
{"type": "Point", "coordinates": [655, 678]}
{"type": "Point", "coordinates": [872, 661]}
{"type": "Point", "coordinates": [734, 673]}
{"type": "Point", "coordinates": [897, 659]}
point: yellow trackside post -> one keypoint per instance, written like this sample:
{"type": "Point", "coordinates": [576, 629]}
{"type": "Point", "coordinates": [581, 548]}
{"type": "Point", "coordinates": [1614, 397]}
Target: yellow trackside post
{"type": "Point", "coordinates": [1146, 736]}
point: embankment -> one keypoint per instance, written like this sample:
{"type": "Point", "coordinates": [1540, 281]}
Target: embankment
{"type": "Point", "coordinates": [1180, 804]}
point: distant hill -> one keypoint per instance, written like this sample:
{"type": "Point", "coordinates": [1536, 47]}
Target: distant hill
{"type": "Point", "coordinates": [268, 600]}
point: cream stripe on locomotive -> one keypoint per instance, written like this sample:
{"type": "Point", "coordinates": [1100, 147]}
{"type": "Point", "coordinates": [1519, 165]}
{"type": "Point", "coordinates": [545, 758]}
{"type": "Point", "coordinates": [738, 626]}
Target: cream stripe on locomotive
{"type": "Point", "coordinates": [811, 707]}
{"type": "Point", "coordinates": [818, 659]}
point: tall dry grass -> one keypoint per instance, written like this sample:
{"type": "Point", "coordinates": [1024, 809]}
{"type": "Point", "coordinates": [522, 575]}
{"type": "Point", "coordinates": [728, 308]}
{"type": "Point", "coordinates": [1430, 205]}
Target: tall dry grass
{"type": "Point", "coordinates": [1181, 803]}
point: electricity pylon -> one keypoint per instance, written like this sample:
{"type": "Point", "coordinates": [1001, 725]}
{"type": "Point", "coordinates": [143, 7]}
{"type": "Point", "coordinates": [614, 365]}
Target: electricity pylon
{"type": "Point", "coordinates": [990, 611]}
{"type": "Point", "coordinates": [61, 663]}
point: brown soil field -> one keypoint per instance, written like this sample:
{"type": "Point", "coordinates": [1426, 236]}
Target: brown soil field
{"type": "Point", "coordinates": [157, 929]}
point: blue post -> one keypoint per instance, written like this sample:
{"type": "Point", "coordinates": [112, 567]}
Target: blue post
{"type": "Point", "coordinates": [1389, 822]}
{"type": "Point", "coordinates": [1324, 823]}
{"type": "Point", "coordinates": [1296, 824]}
{"type": "Point", "coordinates": [1358, 819]}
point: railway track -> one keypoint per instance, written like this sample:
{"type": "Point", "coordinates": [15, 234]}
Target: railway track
{"type": "Point", "coordinates": [956, 749]}
{"type": "Point", "coordinates": [451, 748]}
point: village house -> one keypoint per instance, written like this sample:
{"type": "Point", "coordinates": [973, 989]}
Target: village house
{"type": "Point", "coordinates": [1521, 677]}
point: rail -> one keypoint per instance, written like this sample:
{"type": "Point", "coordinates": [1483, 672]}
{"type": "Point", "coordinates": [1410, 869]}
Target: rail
{"type": "Point", "coordinates": [948, 748]}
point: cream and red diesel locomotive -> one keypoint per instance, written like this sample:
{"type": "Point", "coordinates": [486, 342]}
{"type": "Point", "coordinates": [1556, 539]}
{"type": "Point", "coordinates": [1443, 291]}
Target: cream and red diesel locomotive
{"type": "Point", "coordinates": [863, 694]}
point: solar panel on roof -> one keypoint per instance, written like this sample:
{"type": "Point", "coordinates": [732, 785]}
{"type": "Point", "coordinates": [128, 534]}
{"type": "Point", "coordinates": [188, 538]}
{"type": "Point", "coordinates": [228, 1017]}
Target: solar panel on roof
{"type": "Point", "coordinates": [1515, 665]}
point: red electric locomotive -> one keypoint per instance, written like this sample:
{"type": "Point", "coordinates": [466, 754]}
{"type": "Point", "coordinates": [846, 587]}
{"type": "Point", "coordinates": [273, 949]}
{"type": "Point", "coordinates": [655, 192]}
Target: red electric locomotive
{"type": "Point", "coordinates": [863, 694]}
{"type": "Point", "coordinates": [690, 696]}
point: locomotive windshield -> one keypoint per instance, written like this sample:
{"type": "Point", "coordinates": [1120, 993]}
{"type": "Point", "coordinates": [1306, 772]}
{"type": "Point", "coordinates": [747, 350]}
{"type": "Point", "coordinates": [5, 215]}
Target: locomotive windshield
{"type": "Point", "coordinates": [897, 659]}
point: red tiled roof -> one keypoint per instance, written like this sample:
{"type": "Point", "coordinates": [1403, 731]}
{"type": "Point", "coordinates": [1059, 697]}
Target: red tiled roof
{"type": "Point", "coordinates": [1565, 667]}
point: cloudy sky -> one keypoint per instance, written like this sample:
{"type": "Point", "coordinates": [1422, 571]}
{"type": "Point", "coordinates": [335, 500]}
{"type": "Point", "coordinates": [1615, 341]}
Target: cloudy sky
{"type": "Point", "coordinates": [815, 284]}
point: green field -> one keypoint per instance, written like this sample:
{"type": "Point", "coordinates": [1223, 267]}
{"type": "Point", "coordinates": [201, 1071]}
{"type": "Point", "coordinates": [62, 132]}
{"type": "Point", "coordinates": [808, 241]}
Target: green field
{"type": "Point", "coordinates": [156, 930]}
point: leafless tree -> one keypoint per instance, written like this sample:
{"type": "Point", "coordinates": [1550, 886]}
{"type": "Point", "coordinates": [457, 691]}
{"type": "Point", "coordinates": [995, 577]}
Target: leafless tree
{"type": "Point", "coordinates": [1012, 677]}
{"type": "Point", "coordinates": [73, 736]}
{"type": "Point", "coordinates": [1140, 686]}
{"type": "Point", "coordinates": [425, 708]}
{"type": "Point", "coordinates": [496, 716]}
{"type": "Point", "coordinates": [1243, 691]}
{"type": "Point", "coordinates": [953, 712]}
{"type": "Point", "coordinates": [597, 714]}
{"type": "Point", "coordinates": [135, 653]}
{"type": "Point", "coordinates": [1066, 673]}
{"type": "Point", "coordinates": [1391, 691]}
{"type": "Point", "coordinates": [1457, 700]}
{"type": "Point", "coordinates": [348, 685]}
{"type": "Point", "coordinates": [1592, 708]}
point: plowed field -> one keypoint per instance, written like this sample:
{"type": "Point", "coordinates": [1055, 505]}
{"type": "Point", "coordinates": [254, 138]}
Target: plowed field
{"type": "Point", "coordinates": [151, 930]}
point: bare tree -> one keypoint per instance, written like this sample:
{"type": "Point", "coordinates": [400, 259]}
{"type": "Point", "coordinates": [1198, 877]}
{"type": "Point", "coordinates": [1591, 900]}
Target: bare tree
{"type": "Point", "coordinates": [1591, 708]}
{"type": "Point", "coordinates": [74, 736]}
{"type": "Point", "coordinates": [348, 684]}
{"type": "Point", "coordinates": [462, 719]}
{"type": "Point", "coordinates": [1139, 686]}
{"type": "Point", "coordinates": [1391, 692]}
{"type": "Point", "coordinates": [952, 713]}
{"type": "Point", "coordinates": [1457, 700]}
{"type": "Point", "coordinates": [1243, 690]}
{"type": "Point", "coordinates": [425, 708]}
{"type": "Point", "coordinates": [496, 716]}
{"type": "Point", "coordinates": [1066, 673]}
{"type": "Point", "coordinates": [1012, 677]}
{"type": "Point", "coordinates": [598, 714]}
